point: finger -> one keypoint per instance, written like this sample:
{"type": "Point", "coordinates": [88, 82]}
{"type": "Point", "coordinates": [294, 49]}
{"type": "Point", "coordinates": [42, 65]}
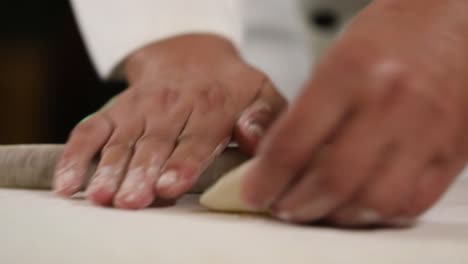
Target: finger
{"type": "Point", "coordinates": [115, 157]}
{"type": "Point", "coordinates": [196, 149]}
{"type": "Point", "coordinates": [151, 152]}
{"type": "Point", "coordinates": [445, 165]}
{"type": "Point", "coordinates": [258, 117]}
{"type": "Point", "coordinates": [318, 116]}
{"type": "Point", "coordinates": [385, 198]}
{"type": "Point", "coordinates": [432, 184]}
{"type": "Point", "coordinates": [386, 195]}
{"type": "Point", "coordinates": [86, 139]}
{"type": "Point", "coordinates": [293, 141]}
{"type": "Point", "coordinates": [341, 168]}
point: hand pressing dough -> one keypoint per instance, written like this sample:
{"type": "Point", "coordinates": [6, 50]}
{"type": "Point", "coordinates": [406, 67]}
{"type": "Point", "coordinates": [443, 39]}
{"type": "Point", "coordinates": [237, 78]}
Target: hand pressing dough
{"type": "Point", "coordinates": [226, 194]}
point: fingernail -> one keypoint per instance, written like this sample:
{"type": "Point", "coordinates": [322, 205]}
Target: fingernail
{"type": "Point", "coordinates": [254, 128]}
{"type": "Point", "coordinates": [367, 216]}
{"type": "Point", "coordinates": [285, 216]}
{"type": "Point", "coordinates": [133, 184]}
{"type": "Point", "coordinates": [65, 179]}
{"type": "Point", "coordinates": [131, 198]}
{"type": "Point", "coordinates": [313, 210]}
{"type": "Point", "coordinates": [106, 179]}
{"type": "Point", "coordinates": [140, 197]}
{"type": "Point", "coordinates": [401, 221]}
{"type": "Point", "coordinates": [167, 180]}
{"type": "Point", "coordinates": [134, 177]}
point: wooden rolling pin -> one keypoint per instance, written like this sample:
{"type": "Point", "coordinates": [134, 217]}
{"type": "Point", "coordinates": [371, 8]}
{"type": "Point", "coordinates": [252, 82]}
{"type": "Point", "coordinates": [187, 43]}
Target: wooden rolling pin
{"type": "Point", "coordinates": [32, 166]}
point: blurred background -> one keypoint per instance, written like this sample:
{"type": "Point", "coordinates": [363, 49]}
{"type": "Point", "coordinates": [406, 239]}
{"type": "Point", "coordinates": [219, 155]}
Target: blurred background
{"type": "Point", "coordinates": [47, 82]}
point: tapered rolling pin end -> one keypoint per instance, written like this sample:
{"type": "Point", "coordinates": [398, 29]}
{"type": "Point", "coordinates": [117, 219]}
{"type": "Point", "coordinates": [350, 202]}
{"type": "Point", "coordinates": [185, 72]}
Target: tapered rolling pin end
{"type": "Point", "coordinates": [28, 166]}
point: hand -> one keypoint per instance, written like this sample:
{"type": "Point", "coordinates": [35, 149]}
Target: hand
{"type": "Point", "coordinates": [378, 133]}
{"type": "Point", "coordinates": [187, 97]}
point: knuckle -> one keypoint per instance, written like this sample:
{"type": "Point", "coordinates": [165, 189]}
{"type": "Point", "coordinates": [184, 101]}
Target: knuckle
{"type": "Point", "coordinates": [155, 139]}
{"type": "Point", "coordinates": [95, 124]}
{"type": "Point", "coordinates": [389, 80]}
{"type": "Point", "coordinates": [378, 78]}
{"type": "Point", "coordinates": [167, 95]}
{"type": "Point", "coordinates": [163, 97]}
{"type": "Point", "coordinates": [212, 98]}
{"type": "Point", "coordinates": [118, 146]}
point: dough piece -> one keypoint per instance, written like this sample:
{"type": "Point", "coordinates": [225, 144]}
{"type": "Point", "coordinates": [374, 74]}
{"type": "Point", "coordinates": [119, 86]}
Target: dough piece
{"type": "Point", "coordinates": [226, 194]}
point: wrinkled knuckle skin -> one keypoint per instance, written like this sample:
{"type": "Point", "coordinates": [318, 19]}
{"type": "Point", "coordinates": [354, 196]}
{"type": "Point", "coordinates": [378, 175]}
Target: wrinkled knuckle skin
{"type": "Point", "coordinates": [375, 78]}
{"type": "Point", "coordinates": [389, 81]}
{"type": "Point", "coordinates": [163, 98]}
{"type": "Point", "coordinates": [389, 78]}
{"type": "Point", "coordinates": [212, 97]}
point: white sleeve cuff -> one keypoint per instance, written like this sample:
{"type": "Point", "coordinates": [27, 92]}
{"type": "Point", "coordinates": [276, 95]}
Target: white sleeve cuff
{"type": "Point", "coordinates": [112, 30]}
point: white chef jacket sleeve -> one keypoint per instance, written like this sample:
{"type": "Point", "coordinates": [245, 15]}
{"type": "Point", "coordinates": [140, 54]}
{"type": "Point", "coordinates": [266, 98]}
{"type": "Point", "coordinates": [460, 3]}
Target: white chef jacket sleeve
{"type": "Point", "coordinates": [114, 29]}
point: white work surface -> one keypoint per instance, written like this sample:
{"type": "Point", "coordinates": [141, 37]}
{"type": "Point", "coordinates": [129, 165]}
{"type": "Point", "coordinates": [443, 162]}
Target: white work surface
{"type": "Point", "coordinates": [38, 228]}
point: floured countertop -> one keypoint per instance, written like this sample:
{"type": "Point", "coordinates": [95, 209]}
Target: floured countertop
{"type": "Point", "coordinates": [36, 227]}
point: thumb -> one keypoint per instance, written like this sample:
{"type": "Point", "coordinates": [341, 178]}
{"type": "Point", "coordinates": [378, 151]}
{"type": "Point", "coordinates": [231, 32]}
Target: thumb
{"type": "Point", "coordinates": [257, 118]}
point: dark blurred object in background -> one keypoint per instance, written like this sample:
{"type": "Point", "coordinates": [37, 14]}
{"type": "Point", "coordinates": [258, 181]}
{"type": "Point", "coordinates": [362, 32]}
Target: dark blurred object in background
{"type": "Point", "coordinates": [47, 82]}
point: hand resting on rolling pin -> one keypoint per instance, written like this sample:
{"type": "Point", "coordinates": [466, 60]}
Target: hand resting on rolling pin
{"type": "Point", "coordinates": [188, 96]}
